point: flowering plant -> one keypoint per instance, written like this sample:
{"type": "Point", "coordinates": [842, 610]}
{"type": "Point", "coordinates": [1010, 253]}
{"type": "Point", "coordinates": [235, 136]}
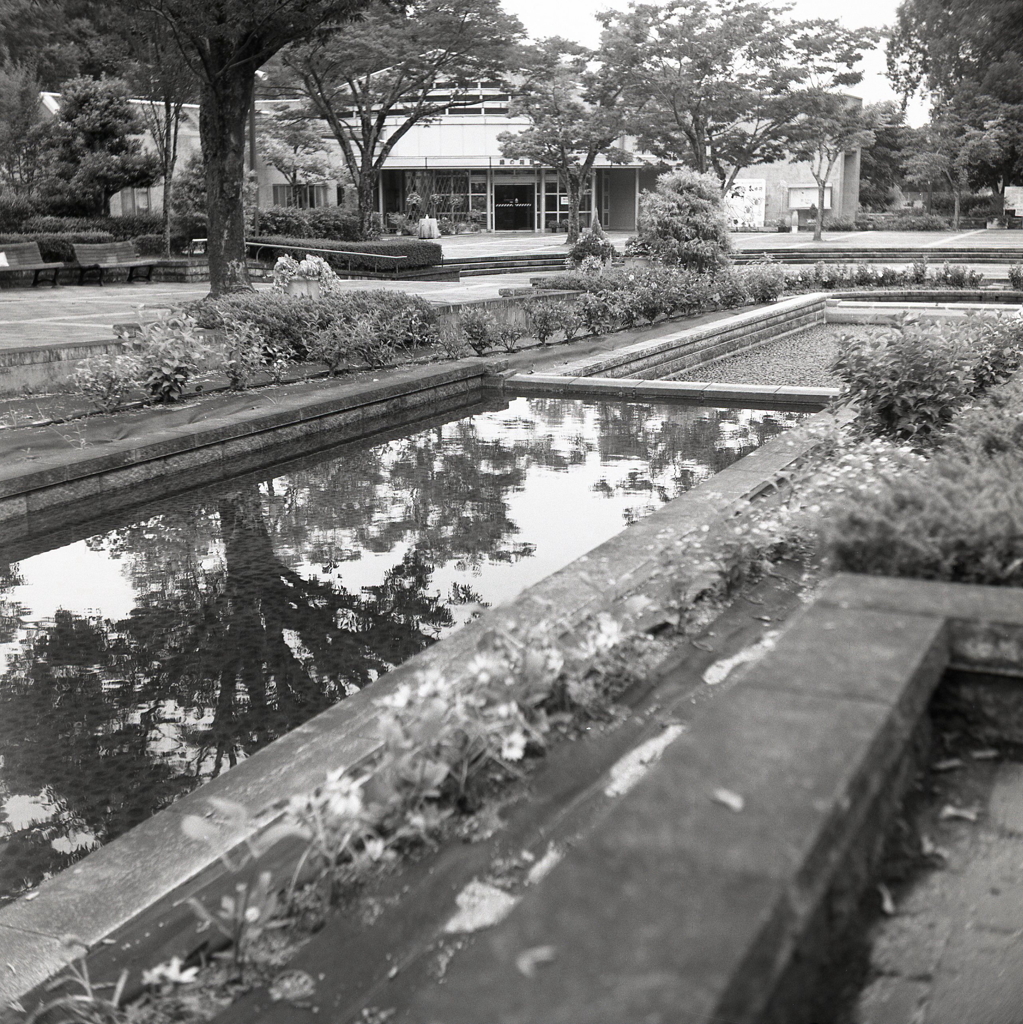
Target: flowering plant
{"type": "Point", "coordinates": [311, 268]}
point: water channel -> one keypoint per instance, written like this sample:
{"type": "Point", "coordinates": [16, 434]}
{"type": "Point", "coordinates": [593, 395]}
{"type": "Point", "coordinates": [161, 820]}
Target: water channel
{"type": "Point", "coordinates": [153, 651]}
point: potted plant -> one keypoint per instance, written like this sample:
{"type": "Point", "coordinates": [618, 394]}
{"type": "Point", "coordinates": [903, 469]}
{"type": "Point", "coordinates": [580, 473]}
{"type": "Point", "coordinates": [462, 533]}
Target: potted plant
{"type": "Point", "coordinates": [310, 276]}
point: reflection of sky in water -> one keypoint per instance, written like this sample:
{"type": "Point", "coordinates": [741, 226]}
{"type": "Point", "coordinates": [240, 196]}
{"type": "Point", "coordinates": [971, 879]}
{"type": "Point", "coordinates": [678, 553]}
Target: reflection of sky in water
{"type": "Point", "coordinates": [141, 661]}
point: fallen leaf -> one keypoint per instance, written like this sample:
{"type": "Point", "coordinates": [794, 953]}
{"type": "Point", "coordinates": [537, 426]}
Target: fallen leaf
{"type": "Point", "coordinates": [949, 812]}
{"type": "Point", "coordinates": [32, 895]}
{"type": "Point", "coordinates": [728, 799]}
{"type": "Point", "coordinates": [947, 765]}
{"type": "Point", "coordinates": [528, 959]}
{"type": "Point", "coordinates": [986, 754]}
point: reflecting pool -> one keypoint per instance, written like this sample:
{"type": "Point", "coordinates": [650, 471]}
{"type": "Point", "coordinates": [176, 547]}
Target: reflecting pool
{"type": "Point", "coordinates": [173, 641]}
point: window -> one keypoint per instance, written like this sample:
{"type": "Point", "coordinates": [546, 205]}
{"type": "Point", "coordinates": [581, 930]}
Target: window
{"type": "Point", "coordinates": [136, 200]}
{"type": "Point", "coordinates": [305, 197]}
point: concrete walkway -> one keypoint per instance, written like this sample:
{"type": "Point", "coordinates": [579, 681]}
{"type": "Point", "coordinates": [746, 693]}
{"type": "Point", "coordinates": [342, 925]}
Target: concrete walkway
{"type": "Point", "coordinates": [31, 317]}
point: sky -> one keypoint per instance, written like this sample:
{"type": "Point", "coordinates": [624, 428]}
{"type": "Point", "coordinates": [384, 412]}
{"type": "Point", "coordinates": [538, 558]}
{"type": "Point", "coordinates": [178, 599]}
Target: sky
{"type": "Point", "coordinates": [574, 20]}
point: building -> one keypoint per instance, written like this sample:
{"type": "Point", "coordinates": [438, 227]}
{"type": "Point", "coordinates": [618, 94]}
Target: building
{"type": "Point", "coordinates": [455, 165]}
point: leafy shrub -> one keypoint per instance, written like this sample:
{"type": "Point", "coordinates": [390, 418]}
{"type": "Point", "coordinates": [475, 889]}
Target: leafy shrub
{"type": "Point", "coordinates": [591, 245]}
{"type": "Point", "coordinates": [333, 222]}
{"type": "Point", "coordinates": [149, 245]}
{"type": "Point", "coordinates": [507, 335]}
{"type": "Point", "coordinates": [1016, 276]}
{"type": "Point", "coordinates": [683, 222]}
{"type": "Point", "coordinates": [595, 313]}
{"type": "Point", "coordinates": [285, 322]}
{"type": "Point", "coordinates": [951, 519]}
{"type": "Point", "coordinates": [170, 352]}
{"type": "Point", "coordinates": [418, 253]}
{"type": "Point", "coordinates": [479, 328]}
{"type": "Point", "coordinates": [571, 323]}
{"type": "Point", "coordinates": [839, 224]}
{"type": "Point", "coordinates": [955, 275]}
{"type": "Point", "coordinates": [58, 247]}
{"type": "Point", "coordinates": [15, 209]}
{"type": "Point", "coordinates": [544, 318]}
{"type": "Point", "coordinates": [909, 381]}
{"type": "Point", "coordinates": [106, 379]}
{"type": "Point", "coordinates": [332, 346]}
{"type": "Point", "coordinates": [284, 220]}
{"type": "Point", "coordinates": [918, 272]}
{"type": "Point", "coordinates": [732, 289]}
{"type": "Point", "coordinates": [764, 281]}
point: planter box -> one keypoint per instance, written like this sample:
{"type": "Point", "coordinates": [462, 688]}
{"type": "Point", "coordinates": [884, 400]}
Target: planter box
{"type": "Point", "coordinates": [304, 286]}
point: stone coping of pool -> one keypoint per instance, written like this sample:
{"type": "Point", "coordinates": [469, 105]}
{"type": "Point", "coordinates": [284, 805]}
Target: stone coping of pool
{"type": "Point", "coordinates": [197, 450]}
{"type": "Point", "coordinates": [692, 346]}
{"type": "Point", "coordinates": [631, 389]}
{"type": "Point", "coordinates": [716, 884]}
{"type": "Point", "coordinates": [78, 908]}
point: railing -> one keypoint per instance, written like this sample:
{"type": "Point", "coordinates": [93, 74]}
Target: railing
{"type": "Point", "coordinates": [198, 245]}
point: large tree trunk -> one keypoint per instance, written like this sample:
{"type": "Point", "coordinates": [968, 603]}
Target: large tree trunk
{"type": "Point", "coordinates": [957, 199]}
{"type": "Point", "coordinates": [574, 199]}
{"type": "Point", "coordinates": [367, 200]}
{"type": "Point", "coordinates": [223, 114]}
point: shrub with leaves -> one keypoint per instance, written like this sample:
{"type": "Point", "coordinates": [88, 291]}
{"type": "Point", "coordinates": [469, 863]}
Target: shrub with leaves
{"type": "Point", "coordinates": [732, 290]}
{"type": "Point", "coordinates": [170, 352]}
{"type": "Point", "coordinates": [591, 246]}
{"type": "Point", "coordinates": [683, 222]}
{"type": "Point", "coordinates": [508, 335]}
{"type": "Point", "coordinates": [478, 328]}
{"type": "Point", "coordinates": [596, 313]}
{"type": "Point", "coordinates": [544, 318]}
{"type": "Point", "coordinates": [910, 380]}
{"type": "Point", "coordinates": [764, 281]}
{"type": "Point", "coordinates": [1016, 276]}
{"type": "Point", "coordinates": [106, 379]}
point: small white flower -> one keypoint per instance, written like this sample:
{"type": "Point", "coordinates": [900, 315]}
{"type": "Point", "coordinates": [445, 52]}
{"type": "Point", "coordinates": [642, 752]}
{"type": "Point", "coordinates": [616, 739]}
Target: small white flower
{"type": "Point", "coordinates": [170, 973]}
{"type": "Point", "coordinates": [513, 746]}
{"type": "Point", "coordinates": [252, 914]}
{"type": "Point", "coordinates": [397, 700]}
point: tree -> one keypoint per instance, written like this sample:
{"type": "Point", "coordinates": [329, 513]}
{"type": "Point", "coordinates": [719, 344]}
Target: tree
{"type": "Point", "coordinates": [948, 150]}
{"type": "Point", "coordinates": [967, 54]}
{"type": "Point", "coordinates": [23, 128]}
{"type": "Point", "coordinates": [93, 150]}
{"type": "Point", "coordinates": [155, 73]}
{"type": "Point", "coordinates": [378, 78]}
{"type": "Point", "coordinates": [295, 148]}
{"type": "Point", "coordinates": [225, 42]}
{"type": "Point", "coordinates": [576, 102]}
{"type": "Point", "coordinates": [830, 126]}
{"type": "Point", "coordinates": [881, 170]}
{"type": "Point", "coordinates": [714, 78]}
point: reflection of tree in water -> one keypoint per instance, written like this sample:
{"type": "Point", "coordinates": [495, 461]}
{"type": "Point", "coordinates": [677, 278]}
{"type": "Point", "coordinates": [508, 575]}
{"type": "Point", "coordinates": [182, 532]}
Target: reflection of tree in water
{"type": "Point", "coordinates": [234, 641]}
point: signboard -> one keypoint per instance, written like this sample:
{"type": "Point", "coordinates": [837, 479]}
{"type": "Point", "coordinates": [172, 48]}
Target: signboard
{"type": "Point", "coordinates": [1014, 199]}
{"type": "Point", "coordinates": [746, 204]}
{"type": "Point", "coordinates": [802, 197]}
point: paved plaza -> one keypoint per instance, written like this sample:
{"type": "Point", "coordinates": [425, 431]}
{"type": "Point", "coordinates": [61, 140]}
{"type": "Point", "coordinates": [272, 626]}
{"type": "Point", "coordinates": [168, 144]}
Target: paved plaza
{"type": "Point", "coordinates": [31, 317]}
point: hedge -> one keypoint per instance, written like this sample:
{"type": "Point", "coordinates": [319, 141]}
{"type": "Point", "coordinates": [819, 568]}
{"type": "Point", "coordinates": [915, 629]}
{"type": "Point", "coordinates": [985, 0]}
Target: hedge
{"type": "Point", "coordinates": [322, 222]}
{"type": "Point", "coordinates": [419, 253]}
{"type": "Point", "coordinates": [120, 228]}
{"type": "Point", "coordinates": [58, 246]}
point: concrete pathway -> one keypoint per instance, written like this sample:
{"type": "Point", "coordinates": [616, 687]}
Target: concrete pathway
{"type": "Point", "coordinates": [31, 317]}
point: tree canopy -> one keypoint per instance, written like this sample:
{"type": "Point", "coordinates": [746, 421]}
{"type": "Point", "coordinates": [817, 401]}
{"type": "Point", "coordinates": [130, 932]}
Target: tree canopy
{"type": "Point", "coordinates": [576, 102]}
{"type": "Point", "coordinates": [396, 68]}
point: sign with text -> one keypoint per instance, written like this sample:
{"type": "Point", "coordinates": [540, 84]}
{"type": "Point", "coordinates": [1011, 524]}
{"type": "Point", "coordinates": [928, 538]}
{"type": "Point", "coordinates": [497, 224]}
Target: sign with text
{"type": "Point", "coordinates": [746, 204]}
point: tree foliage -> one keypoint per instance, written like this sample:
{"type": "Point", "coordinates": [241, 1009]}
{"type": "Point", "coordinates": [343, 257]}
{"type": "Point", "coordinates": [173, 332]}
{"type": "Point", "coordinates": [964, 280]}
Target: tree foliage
{"type": "Point", "coordinates": [295, 147]}
{"type": "Point", "coordinates": [93, 149]}
{"type": "Point", "coordinates": [23, 129]}
{"type": "Point", "coordinates": [376, 79]}
{"type": "Point", "coordinates": [225, 42]}
{"type": "Point", "coordinates": [577, 103]}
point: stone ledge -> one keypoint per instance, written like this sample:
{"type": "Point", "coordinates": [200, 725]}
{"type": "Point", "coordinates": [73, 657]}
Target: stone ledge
{"type": "Point", "coordinates": [677, 900]}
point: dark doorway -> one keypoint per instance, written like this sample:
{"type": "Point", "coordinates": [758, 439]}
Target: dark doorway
{"type": "Point", "coordinates": [514, 207]}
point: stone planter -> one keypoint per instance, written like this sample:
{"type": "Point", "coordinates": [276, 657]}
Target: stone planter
{"type": "Point", "coordinates": [304, 286]}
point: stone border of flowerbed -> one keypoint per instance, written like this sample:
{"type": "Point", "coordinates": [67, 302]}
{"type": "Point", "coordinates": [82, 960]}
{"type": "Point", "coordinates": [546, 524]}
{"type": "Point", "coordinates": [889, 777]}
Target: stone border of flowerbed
{"type": "Point", "coordinates": [124, 878]}
{"type": "Point", "coordinates": [753, 836]}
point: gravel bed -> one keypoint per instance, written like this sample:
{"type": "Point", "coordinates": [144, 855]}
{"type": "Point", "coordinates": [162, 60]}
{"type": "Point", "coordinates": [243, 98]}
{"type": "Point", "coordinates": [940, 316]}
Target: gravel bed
{"type": "Point", "coordinates": [801, 359]}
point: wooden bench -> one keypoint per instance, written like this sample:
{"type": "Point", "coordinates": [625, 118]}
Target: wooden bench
{"type": "Point", "coordinates": [95, 258]}
{"type": "Point", "coordinates": [21, 256]}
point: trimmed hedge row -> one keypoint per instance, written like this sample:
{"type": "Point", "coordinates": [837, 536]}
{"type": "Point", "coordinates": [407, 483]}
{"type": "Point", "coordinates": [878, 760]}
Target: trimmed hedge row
{"type": "Point", "coordinates": [58, 246]}
{"type": "Point", "coordinates": [320, 222]}
{"type": "Point", "coordinates": [418, 253]}
{"type": "Point", "coordinates": [120, 228]}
